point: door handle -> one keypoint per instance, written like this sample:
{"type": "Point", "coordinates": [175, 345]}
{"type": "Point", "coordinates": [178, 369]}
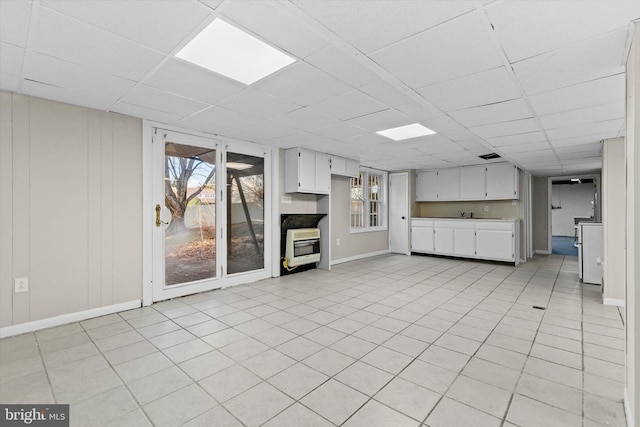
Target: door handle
{"type": "Point", "coordinates": [159, 221]}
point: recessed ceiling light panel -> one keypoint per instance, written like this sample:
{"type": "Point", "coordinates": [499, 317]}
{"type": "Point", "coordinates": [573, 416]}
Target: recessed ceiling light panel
{"type": "Point", "coordinates": [405, 132]}
{"type": "Point", "coordinates": [226, 50]}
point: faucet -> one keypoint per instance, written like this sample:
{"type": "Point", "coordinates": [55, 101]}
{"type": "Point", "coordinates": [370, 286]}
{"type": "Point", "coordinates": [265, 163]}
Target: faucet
{"type": "Point", "coordinates": [462, 214]}
{"type": "Point", "coordinates": [470, 214]}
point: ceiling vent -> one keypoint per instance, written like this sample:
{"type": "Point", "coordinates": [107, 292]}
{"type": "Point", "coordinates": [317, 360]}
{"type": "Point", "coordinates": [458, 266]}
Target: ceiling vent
{"type": "Point", "coordinates": [490, 156]}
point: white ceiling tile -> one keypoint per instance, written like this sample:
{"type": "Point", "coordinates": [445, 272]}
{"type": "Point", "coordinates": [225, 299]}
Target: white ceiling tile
{"type": "Point", "coordinates": [220, 119]}
{"type": "Point", "coordinates": [213, 4]}
{"type": "Point", "coordinates": [386, 93]}
{"type": "Point", "coordinates": [86, 45]}
{"type": "Point", "coordinates": [595, 92]}
{"type": "Point", "coordinates": [298, 139]}
{"type": "Point", "coordinates": [350, 105]}
{"type": "Point", "coordinates": [470, 144]}
{"type": "Point", "coordinates": [145, 113]}
{"type": "Point", "coordinates": [442, 124]}
{"type": "Point", "coordinates": [419, 112]}
{"type": "Point", "coordinates": [392, 20]}
{"type": "Point", "coordinates": [306, 118]}
{"type": "Point", "coordinates": [302, 84]}
{"type": "Point", "coordinates": [457, 48]}
{"type": "Point", "coordinates": [575, 64]}
{"type": "Point", "coordinates": [579, 140]}
{"type": "Point", "coordinates": [14, 22]}
{"type": "Point", "coordinates": [584, 115]}
{"type": "Point", "coordinates": [529, 28]}
{"type": "Point", "coordinates": [507, 128]}
{"type": "Point", "coordinates": [340, 130]}
{"type": "Point", "coordinates": [369, 140]}
{"type": "Point", "coordinates": [579, 151]}
{"type": "Point", "coordinates": [483, 88]}
{"type": "Point", "coordinates": [494, 113]}
{"type": "Point", "coordinates": [523, 138]}
{"type": "Point", "coordinates": [9, 82]}
{"type": "Point", "coordinates": [67, 96]}
{"type": "Point", "coordinates": [191, 81]}
{"type": "Point", "coordinates": [610, 127]}
{"type": "Point", "coordinates": [260, 132]}
{"type": "Point", "coordinates": [149, 97]}
{"type": "Point", "coordinates": [11, 58]}
{"type": "Point", "coordinates": [259, 104]}
{"type": "Point", "coordinates": [347, 68]}
{"type": "Point", "coordinates": [381, 120]}
{"type": "Point", "coordinates": [523, 148]}
{"type": "Point", "coordinates": [63, 74]}
{"type": "Point", "coordinates": [276, 27]}
{"type": "Point", "coordinates": [138, 20]}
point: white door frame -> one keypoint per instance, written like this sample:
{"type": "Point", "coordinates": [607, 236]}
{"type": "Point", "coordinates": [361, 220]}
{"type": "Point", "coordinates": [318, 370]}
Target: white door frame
{"type": "Point", "coordinates": [405, 203]}
{"type": "Point", "coordinates": [271, 207]}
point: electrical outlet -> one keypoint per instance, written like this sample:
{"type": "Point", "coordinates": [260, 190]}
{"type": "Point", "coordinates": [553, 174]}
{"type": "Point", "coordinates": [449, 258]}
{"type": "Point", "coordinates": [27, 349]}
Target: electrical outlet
{"type": "Point", "coordinates": [338, 241]}
{"type": "Point", "coordinates": [22, 285]}
{"type": "Point", "coordinates": [486, 208]}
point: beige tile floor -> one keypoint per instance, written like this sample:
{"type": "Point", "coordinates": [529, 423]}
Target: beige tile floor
{"type": "Point", "coordinates": [386, 341]}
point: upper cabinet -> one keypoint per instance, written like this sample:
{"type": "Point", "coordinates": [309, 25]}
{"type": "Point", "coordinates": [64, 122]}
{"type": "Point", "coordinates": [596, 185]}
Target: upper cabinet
{"type": "Point", "coordinates": [344, 167]}
{"type": "Point", "coordinates": [502, 181]}
{"type": "Point", "coordinates": [496, 181]}
{"type": "Point", "coordinates": [308, 171]}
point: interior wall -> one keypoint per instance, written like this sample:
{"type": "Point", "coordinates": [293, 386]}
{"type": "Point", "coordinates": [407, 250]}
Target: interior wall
{"type": "Point", "coordinates": [569, 201]}
{"type": "Point", "coordinates": [540, 214]}
{"type": "Point", "coordinates": [632, 298]}
{"type": "Point", "coordinates": [495, 209]}
{"type": "Point", "coordinates": [70, 221]}
{"type": "Point", "coordinates": [613, 220]}
{"type": "Point", "coordinates": [351, 244]}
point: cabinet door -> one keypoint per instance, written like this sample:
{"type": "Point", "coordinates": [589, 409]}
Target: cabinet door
{"type": "Point", "coordinates": [502, 181]}
{"type": "Point", "coordinates": [306, 171]}
{"type": "Point", "coordinates": [323, 173]}
{"type": "Point", "coordinates": [426, 186]}
{"type": "Point", "coordinates": [353, 168]}
{"type": "Point", "coordinates": [473, 183]}
{"type": "Point", "coordinates": [449, 184]}
{"type": "Point", "coordinates": [444, 240]}
{"type": "Point", "coordinates": [338, 166]}
{"type": "Point", "coordinates": [465, 241]}
{"type": "Point", "coordinates": [421, 239]}
{"type": "Point", "coordinates": [495, 241]}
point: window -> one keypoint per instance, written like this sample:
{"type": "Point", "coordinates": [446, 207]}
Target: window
{"type": "Point", "coordinates": [368, 200]}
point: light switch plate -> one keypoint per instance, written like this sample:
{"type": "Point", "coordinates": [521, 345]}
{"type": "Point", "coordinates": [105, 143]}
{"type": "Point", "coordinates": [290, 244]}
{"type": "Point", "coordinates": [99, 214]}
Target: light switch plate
{"type": "Point", "coordinates": [22, 285]}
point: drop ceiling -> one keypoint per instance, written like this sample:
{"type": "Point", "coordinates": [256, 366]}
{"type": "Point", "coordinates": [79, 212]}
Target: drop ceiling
{"type": "Point", "coordinates": [539, 82]}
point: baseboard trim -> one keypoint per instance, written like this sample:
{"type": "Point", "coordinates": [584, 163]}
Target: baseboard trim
{"type": "Point", "coordinates": [613, 301]}
{"type": "Point", "coordinates": [361, 256]}
{"type": "Point", "coordinates": [63, 319]}
{"type": "Point", "coordinates": [627, 408]}
{"type": "Point", "coordinates": [541, 252]}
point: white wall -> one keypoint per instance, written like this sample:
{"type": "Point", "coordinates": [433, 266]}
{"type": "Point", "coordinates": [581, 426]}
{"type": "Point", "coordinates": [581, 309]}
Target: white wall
{"type": "Point", "coordinates": [632, 297]}
{"type": "Point", "coordinates": [70, 216]}
{"type": "Point", "coordinates": [613, 221]}
{"type": "Point", "coordinates": [571, 201]}
{"type": "Point", "coordinates": [351, 244]}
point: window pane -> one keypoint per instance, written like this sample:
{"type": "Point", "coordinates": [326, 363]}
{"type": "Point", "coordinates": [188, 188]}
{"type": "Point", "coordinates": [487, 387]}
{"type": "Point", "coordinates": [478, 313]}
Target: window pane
{"type": "Point", "coordinates": [357, 202]}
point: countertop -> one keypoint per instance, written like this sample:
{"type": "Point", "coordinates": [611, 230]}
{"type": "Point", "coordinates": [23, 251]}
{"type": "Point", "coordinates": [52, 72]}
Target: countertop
{"type": "Point", "coordinates": [467, 219]}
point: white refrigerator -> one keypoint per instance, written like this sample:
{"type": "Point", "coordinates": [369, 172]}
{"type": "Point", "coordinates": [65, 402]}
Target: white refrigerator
{"type": "Point", "coordinates": [590, 252]}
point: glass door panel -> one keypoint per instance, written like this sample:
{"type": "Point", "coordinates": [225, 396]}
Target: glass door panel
{"type": "Point", "coordinates": [245, 213]}
{"type": "Point", "coordinates": [189, 197]}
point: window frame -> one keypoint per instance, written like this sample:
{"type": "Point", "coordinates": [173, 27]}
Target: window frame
{"type": "Point", "coordinates": [366, 201]}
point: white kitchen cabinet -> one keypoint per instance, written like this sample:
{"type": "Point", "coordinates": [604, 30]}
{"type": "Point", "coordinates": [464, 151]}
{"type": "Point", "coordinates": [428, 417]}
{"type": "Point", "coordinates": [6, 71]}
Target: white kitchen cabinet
{"type": "Point", "coordinates": [444, 237]}
{"type": "Point", "coordinates": [422, 236]}
{"type": "Point", "coordinates": [473, 184]}
{"type": "Point", "coordinates": [344, 167]}
{"type": "Point", "coordinates": [464, 239]}
{"type": "Point", "coordinates": [497, 241]}
{"type": "Point", "coordinates": [323, 173]}
{"type": "Point", "coordinates": [448, 184]}
{"type": "Point", "coordinates": [502, 181]}
{"type": "Point", "coordinates": [307, 171]}
{"type": "Point", "coordinates": [426, 186]}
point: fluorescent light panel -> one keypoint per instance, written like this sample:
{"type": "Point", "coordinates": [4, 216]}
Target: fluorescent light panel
{"type": "Point", "coordinates": [405, 132]}
{"type": "Point", "coordinates": [226, 50]}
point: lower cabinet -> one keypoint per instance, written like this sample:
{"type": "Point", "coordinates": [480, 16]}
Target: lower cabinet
{"type": "Point", "coordinates": [468, 238]}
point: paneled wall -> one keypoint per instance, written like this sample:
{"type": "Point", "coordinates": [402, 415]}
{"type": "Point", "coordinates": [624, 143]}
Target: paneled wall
{"type": "Point", "coordinates": [70, 216]}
